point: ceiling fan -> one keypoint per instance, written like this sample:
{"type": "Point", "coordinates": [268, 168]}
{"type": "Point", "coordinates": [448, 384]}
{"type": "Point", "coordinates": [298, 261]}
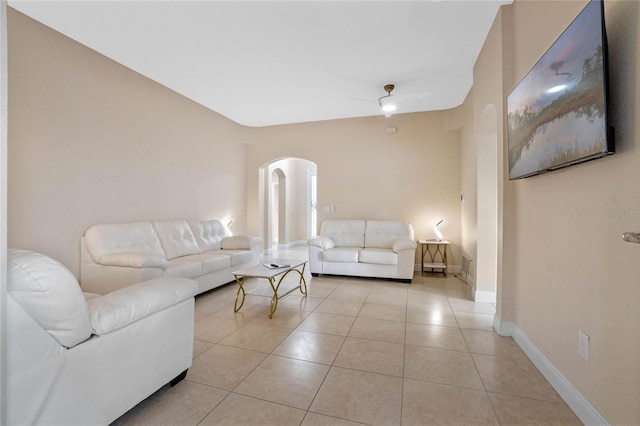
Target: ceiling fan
{"type": "Point", "coordinates": [389, 103]}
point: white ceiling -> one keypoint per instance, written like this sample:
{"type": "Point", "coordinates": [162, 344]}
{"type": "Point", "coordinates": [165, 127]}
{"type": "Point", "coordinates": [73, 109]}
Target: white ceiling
{"type": "Point", "coordinates": [263, 63]}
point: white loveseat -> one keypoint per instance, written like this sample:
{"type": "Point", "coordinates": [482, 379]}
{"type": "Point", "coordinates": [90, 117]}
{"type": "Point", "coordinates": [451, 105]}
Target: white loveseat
{"type": "Point", "coordinates": [85, 359]}
{"type": "Point", "coordinates": [364, 248]}
{"type": "Point", "coordinates": [118, 255]}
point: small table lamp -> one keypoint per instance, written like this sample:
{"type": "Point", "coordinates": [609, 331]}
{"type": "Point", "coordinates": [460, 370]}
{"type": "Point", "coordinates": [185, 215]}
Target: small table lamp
{"type": "Point", "coordinates": [439, 235]}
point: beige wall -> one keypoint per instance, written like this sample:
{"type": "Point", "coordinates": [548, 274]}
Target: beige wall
{"type": "Point", "coordinates": [487, 106]}
{"type": "Point", "coordinates": [364, 172]}
{"type": "Point", "coordinates": [469, 184]}
{"type": "Point", "coordinates": [564, 266]}
{"type": "Point", "coordinates": [91, 142]}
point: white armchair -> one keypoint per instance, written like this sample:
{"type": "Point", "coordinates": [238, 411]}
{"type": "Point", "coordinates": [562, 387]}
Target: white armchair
{"type": "Point", "coordinates": [84, 359]}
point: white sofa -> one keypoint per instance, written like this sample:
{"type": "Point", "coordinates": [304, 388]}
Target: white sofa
{"type": "Point", "coordinates": [118, 255]}
{"type": "Point", "coordinates": [85, 359]}
{"type": "Point", "coordinates": [364, 248]}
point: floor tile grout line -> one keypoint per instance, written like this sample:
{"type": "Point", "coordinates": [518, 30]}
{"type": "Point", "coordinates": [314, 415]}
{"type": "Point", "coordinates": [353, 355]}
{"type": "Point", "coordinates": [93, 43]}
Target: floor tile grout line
{"type": "Point", "coordinates": [482, 380]}
{"type": "Point", "coordinates": [261, 362]}
{"type": "Point", "coordinates": [450, 294]}
{"type": "Point", "coordinates": [329, 369]}
{"type": "Point", "coordinates": [216, 406]}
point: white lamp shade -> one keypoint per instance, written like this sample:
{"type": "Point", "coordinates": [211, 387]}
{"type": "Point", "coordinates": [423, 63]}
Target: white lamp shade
{"type": "Point", "coordinates": [439, 235]}
{"type": "Point", "coordinates": [387, 104]}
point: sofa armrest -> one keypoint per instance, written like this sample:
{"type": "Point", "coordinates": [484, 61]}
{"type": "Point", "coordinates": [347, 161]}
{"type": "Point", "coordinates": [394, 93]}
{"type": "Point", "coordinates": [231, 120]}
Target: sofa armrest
{"type": "Point", "coordinates": [133, 260]}
{"type": "Point", "coordinates": [322, 242]}
{"type": "Point", "coordinates": [130, 304]}
{"type": "Point", "coordinates": [238, 242]}
{"type": "Point", "coordinates": [404, 244]}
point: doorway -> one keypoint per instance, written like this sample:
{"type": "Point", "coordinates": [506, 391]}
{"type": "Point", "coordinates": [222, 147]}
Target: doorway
{"type": "Point", "coordinates": [288, 203]}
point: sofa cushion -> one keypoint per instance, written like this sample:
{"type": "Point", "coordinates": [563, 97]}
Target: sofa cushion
{"type": "Point", "coordinates": [176, 238]}
{"type": "Point", "coordinates": [208, 233]}
{"type": "Point", "coordinates": [382, 233]}
{"type": "Point", "coordinates": [344, 233]}
{"type": "Point", "coordinates": [378, 256]}
{"type": "Point", "coordinates": [183, 268]}
{"type": "Point", "coordinates": [210, 262]}
{"type": "Point", "coordinates": [238, 257]}
{"type": "Point", "coordinates": [50, 294]}
{"type": "Point", "coordinates": [133, 260]}
{"type": "Point", "coordinates": [341, 254]}
{"type": "Point", "coordinates": [139, 237]}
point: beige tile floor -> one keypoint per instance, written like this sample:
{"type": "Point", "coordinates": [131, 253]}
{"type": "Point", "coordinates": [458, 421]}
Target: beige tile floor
{"type": "Point", "coordinates": [354, 351]}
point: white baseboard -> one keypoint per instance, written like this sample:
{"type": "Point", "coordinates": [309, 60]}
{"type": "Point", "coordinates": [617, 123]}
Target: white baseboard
{"type": "Point", "coordinates": [574, 399]}
{"type": "Point", "coordinates": [483, 296]}
{"type": "Point", "coordinates": [292, 244]}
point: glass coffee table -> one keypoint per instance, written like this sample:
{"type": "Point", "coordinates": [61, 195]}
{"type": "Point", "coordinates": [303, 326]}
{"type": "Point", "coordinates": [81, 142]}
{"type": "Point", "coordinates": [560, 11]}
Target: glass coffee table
{"type": "Point", "coordinates": [275, 271]}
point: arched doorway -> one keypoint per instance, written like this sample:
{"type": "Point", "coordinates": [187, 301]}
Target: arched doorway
{"type": "Point", "coordinates": [287, 193]}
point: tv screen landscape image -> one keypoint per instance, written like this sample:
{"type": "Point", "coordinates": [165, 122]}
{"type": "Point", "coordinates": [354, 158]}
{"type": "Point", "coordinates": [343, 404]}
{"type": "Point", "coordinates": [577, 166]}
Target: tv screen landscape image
{"type": "Point", "coordinates": [557, 114]}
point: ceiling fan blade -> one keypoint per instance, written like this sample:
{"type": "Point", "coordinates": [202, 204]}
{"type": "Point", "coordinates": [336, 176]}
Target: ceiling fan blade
{"type": "Point", "coordinates": [410, 97]}
{"type": "Point", "coordinates": [364, 100]}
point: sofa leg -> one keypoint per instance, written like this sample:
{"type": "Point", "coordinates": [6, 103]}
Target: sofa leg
{"type": "Point", "coordinates": [313, 274]}
{"type": "Point", "coordinates": [179, 378]}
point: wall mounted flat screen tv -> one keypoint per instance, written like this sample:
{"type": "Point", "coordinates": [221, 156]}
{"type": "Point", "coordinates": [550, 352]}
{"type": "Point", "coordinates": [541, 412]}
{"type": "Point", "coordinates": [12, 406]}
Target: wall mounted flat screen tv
{"type": "Point", "coordinates": [557, 114]}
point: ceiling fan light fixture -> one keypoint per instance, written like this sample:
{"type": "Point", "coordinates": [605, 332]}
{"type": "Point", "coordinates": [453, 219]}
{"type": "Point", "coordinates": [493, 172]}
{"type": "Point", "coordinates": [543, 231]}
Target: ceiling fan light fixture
{"type": "Point", "coordinates": [386, 103]}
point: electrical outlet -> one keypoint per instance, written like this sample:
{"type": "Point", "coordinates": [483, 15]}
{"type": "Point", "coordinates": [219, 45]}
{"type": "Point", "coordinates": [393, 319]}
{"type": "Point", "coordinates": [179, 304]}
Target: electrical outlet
{"type": "Point", "coordinates": [583, 345]}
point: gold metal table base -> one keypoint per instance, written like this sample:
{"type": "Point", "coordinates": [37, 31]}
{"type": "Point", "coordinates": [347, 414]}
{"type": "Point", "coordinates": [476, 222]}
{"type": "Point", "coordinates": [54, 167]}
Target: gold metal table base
{"type": "Point", "coordinates": [242, 278]}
